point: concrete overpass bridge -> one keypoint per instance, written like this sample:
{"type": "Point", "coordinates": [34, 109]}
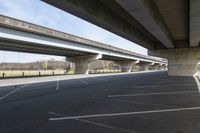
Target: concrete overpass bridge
{"type": "Point", "coordinates": [17, 35]}
{"type": "Point", "coordinates": [168, 28]}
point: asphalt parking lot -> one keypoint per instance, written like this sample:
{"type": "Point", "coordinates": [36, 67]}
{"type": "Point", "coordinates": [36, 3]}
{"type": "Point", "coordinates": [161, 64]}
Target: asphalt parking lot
{"type": "Point", "coordinates": [128, 103]}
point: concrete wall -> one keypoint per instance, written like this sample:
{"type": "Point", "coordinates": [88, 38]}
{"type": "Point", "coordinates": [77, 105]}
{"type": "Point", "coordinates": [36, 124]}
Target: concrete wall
{"type": "Point", "coordinates": [19, 73]}
{"type": "Point", "coordinates": [181, 62]}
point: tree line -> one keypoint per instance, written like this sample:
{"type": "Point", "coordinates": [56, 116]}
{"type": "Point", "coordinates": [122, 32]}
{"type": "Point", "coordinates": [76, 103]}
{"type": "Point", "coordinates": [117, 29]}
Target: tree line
{"type": "Point", "coordinates": [54, 65]}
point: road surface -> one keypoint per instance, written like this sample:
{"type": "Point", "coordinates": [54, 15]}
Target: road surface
{"type": "Point", "coordinates": [127, 103]}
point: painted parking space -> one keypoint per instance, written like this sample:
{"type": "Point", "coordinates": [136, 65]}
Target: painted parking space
{"type": "Point", "coordinates": [105, 105]}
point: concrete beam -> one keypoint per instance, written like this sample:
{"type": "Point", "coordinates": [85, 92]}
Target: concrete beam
{"type": "Point", "coordinates": [194, 23]}
{"type": "Point", "coordinates": [35, 42]}
{"type": "Point", "coordinates": [147, 14]}
{"type": "Point", "coordinates": [82, 63]}
{"type": "Point", "coordinates": [126, 66]}
{"type": "Point", "coordinates": [110, 18]}
{"type": "Point", "coordinates": [181, 62]}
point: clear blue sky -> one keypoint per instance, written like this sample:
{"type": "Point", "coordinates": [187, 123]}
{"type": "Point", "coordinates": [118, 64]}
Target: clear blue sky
{"type": "Point", "coordinates": [40, 13]}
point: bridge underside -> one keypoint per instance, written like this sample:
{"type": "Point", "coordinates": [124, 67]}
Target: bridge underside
{"type": "Point", "coordinates": [18, 46]}
{"type": "Point", "coordinates": [16, 35]}
{"type": "Point", "coordinates": [165, 25]}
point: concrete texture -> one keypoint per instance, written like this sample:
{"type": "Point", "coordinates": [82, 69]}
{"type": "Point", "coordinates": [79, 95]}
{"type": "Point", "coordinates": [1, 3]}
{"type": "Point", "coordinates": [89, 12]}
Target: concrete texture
{"type": "Point", "coordinates": [44, 31]}
{"type": "Point", "coordinates": [155, 24]}
{"type": "Point", "coordinates": [144, 66]}
{"type": "Point", "coordinates": [157, 66]}
{"type": "Point", "coordinates": [182, 61]}
{"type": "Point", "coordinates": [110, 16]}
{"type": "Point", "coordinates": [194, 23]}
{"type": "Point", "coordinates": [144, 11]}
{"type": "Point", "coordinates": [29, 109]}
{"type": "Point", "coordinates": [175, 14]}
{"type": "Point", "coordinates": [16, 34]}
{"type": "Point", "coordinates": [158, 24]}
{"type": "Point", "coordinates": [32, 28]}
{"type": "Point", "coordinates": [126, 66]}
{"type": "Point", "coordinates": [82, 63]}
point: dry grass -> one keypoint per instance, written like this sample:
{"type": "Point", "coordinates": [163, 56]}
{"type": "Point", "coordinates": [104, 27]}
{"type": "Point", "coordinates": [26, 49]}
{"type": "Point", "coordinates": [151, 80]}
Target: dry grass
{"type": "Point", "coordinates": [26, 73]}
{"type": "Point", "coordinates": [18, 73]}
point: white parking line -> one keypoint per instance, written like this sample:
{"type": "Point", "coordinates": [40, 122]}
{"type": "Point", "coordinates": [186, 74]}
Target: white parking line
{"type": "Point", "coordinates": [147, 94]}
{"type": "Point", "coordinates": [57, 85]}
{"type": "Point", "coordinates": [105, 126]}
{"type": "Point", "coordinates": [124, 114]}
{"type": "Point", "coordinates": [53, 113]}
{"type": "Point", "coordinates": [84, 82]}
{"type": "Point", "coordinates": [12, 92]}
{"type": "Point", "coordinates": [164, 85]}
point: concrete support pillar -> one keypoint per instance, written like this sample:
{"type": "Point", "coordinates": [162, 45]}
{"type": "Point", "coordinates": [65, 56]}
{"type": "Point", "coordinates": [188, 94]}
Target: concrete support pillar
{"type": "Point", "coordinates": [126, 66]}
{"type": "Point", "coordinates": [144, 66]}
{"type": "Point", "coordinates": [155, 67]}
{"type": "Point", "coordinates": [165, 67]}
{"type": "Point", "coordinates": [181, 61]}
{"type": "Point", "coordinates": [82, 63]}
{"type": "Point", "coordinates": [162, 67]}
{"type": "Point", "coordinates": [158, 66]}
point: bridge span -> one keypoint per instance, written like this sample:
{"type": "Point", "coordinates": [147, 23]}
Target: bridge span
{"type": "Point", "coordinates": [167, 28]}
{"type": "Point", "coordinates": [17, 35]}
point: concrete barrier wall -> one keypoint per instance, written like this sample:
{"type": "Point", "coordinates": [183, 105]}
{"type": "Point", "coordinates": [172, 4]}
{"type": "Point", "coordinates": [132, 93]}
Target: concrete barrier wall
{"type": "Point", "coordinates": [104, 71]}
{"type": "Point", "coordinates": [17, 73]}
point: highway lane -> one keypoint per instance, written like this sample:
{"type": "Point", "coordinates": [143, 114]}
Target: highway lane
{"type": "Point", "coordinates": [128, 103]}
